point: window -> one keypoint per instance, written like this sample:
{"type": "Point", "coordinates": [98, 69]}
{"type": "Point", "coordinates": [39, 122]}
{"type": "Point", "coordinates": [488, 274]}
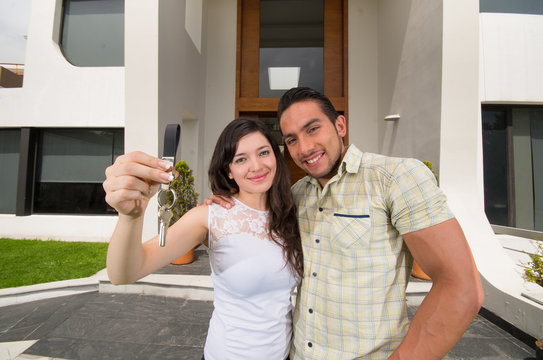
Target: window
{"type": "Point", "coordinates": [282, 40]}
{"type": "Point", "coordinates": [291, 46]}
{"type": "Point", "coordinates": [512, 7]}
{"type": "Point", "coordinates": [93, 32]}
{"type": "Point", "coordinates": [9, 163]}
{"type": "Point", "coordinates": [513, 166]}
{"type": "Point", "coordinates": [70, 171]}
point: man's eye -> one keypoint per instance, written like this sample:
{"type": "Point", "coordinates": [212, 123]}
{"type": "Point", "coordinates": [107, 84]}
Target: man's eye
{"type": "Point", "coordinates": [290, 141]}
{"type": "Point", "coordinates": [313, 129]}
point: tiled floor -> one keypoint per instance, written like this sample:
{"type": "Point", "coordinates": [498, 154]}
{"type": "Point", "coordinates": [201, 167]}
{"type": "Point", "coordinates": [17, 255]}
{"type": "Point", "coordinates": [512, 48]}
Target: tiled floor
{"type": "Point", "coordinates": [126, 326]}
{"type": "Point", "coordinates": [109, 326]}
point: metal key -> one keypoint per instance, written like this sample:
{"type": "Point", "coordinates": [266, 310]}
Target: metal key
{"type": "Point", "coordinates": [165, 215]}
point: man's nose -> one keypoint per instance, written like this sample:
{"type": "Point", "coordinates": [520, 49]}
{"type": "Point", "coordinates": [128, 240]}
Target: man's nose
{"type": "Point", "coordinates": [304, 145]}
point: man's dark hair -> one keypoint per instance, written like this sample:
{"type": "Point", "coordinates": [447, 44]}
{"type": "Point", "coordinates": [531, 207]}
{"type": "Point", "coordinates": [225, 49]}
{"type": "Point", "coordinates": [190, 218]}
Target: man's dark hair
{"type": "Point", "coordinates": [300, 94]}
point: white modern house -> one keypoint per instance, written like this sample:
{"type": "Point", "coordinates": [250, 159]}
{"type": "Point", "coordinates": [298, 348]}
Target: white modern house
{"type": "Point", "coordinates": [457, 83]}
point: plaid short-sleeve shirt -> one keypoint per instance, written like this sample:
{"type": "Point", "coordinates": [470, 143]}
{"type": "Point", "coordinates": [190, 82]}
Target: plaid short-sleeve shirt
{"type": "Point", "coordinates": [352, 303]}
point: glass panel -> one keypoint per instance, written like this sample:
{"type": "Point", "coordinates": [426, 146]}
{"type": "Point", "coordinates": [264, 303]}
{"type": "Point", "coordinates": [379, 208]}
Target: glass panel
{"type": "Point", "coordinates": [118, 143]}
{"type": "Point", "coordinates": [522, 162]}
{"type": "Point", "coordinates": [93, 32]}
{"type": "Point", "coordinates": [72, 198]}
{"type": "Point", "coordinates": [74, 155]}
{"type": "Point", "coordinates": [9, 163]}
{"type": "Point", "coordinates": [495, 166]}
{"type": "Point", "coordinates": [291, 45]}
{"type": "Point", "coordinates": [71, 169]}
{"type": "Point", "coordinates": [512, 7]}
{"type": "Point", "coordinates": [273, 124]}
{"type": "Point", "coordinates": [537, 161]}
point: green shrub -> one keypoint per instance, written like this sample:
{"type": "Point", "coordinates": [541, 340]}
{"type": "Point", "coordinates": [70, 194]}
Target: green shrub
{"type": "Point", "coordinates": [533, 272]}
{"type": "Point", "coordinates": [187, 196]}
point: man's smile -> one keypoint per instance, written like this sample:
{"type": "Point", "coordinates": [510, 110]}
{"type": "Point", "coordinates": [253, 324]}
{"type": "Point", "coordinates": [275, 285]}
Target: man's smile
{"type": "Point", "coordinates": [314, 159]}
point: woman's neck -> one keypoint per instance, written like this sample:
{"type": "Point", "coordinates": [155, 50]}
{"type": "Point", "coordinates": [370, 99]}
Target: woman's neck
{"type": "Point", "coordinates": [256, 201]}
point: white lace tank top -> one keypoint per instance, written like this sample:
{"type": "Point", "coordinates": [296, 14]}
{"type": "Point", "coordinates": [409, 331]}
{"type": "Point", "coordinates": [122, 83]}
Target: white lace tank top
{"type": "Point", "coordinates": [252, 318]}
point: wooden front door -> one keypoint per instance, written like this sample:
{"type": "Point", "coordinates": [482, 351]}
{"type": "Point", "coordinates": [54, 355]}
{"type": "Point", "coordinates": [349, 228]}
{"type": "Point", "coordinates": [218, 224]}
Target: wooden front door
{"type": "Point", "coordinates": [303, 37]}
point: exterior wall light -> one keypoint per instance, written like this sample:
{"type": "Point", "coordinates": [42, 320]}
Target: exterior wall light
{"type": "Point", "coordinates": [394, 117]}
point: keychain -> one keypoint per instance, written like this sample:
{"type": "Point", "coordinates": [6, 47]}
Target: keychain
{"type": "Point", "coordinates": [166, 193]}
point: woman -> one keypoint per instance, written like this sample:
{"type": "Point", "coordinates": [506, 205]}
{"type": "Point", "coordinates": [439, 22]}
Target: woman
{"type": "Point", "coordinates": [254, 248]}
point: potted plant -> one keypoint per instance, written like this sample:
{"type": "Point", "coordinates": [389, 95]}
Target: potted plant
{"type": "Point", "coordinates": [187, 198]}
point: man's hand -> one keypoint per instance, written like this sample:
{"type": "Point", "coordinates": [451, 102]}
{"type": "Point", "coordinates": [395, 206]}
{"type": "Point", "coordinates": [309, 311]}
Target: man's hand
{"type": "Point", "coordinates": [223, 201]}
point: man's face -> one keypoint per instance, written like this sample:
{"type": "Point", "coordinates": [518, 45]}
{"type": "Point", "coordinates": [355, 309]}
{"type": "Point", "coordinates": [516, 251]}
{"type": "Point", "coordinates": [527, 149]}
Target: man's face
{"type": "Point", "coordinates": [314, 143]}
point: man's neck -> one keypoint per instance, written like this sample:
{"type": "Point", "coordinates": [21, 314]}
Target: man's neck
{"type": "Point", "coordinates": [324, 180]}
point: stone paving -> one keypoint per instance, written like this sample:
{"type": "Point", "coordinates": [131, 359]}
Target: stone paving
{"type": "Point", "coordinates": [96, 325]}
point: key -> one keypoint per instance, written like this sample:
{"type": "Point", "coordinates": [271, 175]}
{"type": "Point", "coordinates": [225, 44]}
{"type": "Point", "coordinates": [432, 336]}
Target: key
{"type": "Point", "coordinates": [165, 215]}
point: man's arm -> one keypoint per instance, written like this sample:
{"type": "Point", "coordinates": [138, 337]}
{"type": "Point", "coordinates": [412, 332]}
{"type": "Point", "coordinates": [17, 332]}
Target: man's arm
{"type": "Point", "coordinates": [456, 295]}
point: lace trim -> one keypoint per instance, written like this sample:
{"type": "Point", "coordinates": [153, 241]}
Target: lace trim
{"type": "Point", "coordinates": [239, 219]}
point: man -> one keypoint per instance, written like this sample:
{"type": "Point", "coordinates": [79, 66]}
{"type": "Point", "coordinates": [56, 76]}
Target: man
{"type": "Point", "coordinates": [363, 218]}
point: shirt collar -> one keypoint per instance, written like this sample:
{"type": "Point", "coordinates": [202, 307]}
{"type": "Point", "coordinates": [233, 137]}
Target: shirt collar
{"type": "Point", "coordinates": [350, 163]}
{"type": "Point", "coordinates": [351, 160]}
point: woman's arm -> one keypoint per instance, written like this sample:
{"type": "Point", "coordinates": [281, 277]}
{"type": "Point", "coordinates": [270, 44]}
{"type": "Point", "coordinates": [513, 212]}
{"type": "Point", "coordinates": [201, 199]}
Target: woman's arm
{"type": "Point", "coordinates": [129, 260]}
{"type": "Point", "coordinates": [130, 182]}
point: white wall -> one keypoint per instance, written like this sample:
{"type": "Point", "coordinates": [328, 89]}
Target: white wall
{"type": "Point", "coordinates": [182, 75]}
{"type": "Point", "coordinates": [395, 68]}
{"type": "Point", "coordinates": [58, 94]}
{"type": "Point", "coordinates": [165, 83]}
{"type": "Point", "coordinates": [410, 78]}
{"type": "Point", "coordinates": [220, 86]}
{"type": "Point", "coordinates": [461, 168]}
{"type": "Point", "coordinates": [511, 58]}
{"type": "Point", "coordinates": [363, 79]}
{"type": "Point", "coordinates": [141, 84]}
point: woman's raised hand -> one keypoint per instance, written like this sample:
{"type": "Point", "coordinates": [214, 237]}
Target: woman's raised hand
{"type": "Point", "coordinates": [132, 180]}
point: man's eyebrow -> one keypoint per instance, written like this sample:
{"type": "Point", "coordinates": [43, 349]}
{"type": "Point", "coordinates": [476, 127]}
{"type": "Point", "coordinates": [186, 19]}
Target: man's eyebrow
{"type": "Point", "coordinates": [308, 124]}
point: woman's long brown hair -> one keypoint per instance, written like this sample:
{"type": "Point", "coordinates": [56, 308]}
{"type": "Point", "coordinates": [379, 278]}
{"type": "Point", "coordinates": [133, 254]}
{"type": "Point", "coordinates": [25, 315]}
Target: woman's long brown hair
{"type": "Point", "coordinates": [283, 221]}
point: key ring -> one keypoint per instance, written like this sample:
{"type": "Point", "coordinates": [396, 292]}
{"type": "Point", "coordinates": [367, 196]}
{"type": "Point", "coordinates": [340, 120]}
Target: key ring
{"type": "Point", "coordinates": [162, 198]}
{"type": "Point", "coordinates": [171, 141]}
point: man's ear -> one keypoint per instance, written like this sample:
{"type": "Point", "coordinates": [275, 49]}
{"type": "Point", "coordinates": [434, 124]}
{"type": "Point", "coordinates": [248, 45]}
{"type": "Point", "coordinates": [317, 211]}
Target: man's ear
{"type": "Point", "coordinates": [341, 125]}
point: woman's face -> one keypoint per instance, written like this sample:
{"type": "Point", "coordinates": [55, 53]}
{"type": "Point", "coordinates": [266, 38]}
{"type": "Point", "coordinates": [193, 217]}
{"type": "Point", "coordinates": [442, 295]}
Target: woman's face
{"type": "Point", "coordinates": [254, 165]}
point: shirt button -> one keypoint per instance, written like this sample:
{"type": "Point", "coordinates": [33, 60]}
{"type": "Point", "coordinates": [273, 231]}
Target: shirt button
{"type": "Point", "coordinates": [321, 209]}
{"type": "Point", "coordinates": [317, 241]}
{"type": "Point", "coordinates": [314, 274]}
{"type": "Point", "coordinates": [309, 344]}
{"type": "Point", "coordinates": [311, 311]}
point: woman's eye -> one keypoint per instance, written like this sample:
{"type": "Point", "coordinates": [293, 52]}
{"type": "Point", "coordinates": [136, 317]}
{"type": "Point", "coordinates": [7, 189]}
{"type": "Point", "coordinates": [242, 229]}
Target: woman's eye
{"type": "Point", "coordinates": [239, 160]}
{"type": "Point", "coordinates": [265, 153]}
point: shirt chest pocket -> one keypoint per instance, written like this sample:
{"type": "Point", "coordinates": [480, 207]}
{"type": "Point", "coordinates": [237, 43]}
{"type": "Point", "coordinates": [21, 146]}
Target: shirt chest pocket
{"type": "Point", "coordinates": [351, 227]}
